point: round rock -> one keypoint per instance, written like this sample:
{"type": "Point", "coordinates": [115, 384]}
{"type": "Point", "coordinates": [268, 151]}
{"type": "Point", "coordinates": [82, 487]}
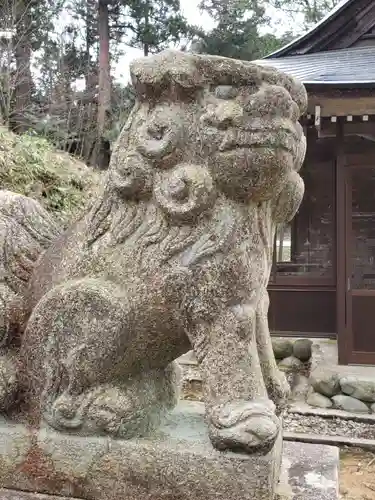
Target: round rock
{"type": "Point", "coordinates": [302, 349]}
{"type": "Point", "coordinates": [359, 387]}
{"type": "Point", "coordinates": [290, 364]}
{"type": "Point", "coordinates": [282, 348]}
{"type": "Point", "coordinates": [327, 384]}
{"type": "Point", "coordinates": [347, 403]}
{"type": "Point", "coordinates": [373, 408]}
{"type": "Point", "coordinates": [319, 401]}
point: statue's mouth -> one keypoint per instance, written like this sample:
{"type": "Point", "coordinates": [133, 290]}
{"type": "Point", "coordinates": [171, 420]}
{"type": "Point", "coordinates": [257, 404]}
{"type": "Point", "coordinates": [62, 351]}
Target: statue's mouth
{"type": "Point", "coordinates": [286, 137]}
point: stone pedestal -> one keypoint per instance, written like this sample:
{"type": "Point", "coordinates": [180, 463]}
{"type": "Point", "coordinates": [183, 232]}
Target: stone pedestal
{"type": "Point", "coordinates": [179, 463]}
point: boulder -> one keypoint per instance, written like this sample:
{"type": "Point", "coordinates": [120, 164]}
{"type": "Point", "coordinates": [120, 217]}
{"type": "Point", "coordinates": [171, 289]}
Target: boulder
{"type": "Point", "coordinates": [326, 383]}
{"type": "Point", "coordinates": [302, 349]}
{"type": "Point", "coordinates": [290, 364]}
{"type": "Point", "coordinates": [282, 348]}
{"type": "Point", "coordinates": [347, 403]}
{"type": "Point", "coordinates": [359, 387]}
{"type": "Point", "coordinates": [373, 408]}
{"type": "Point", "coordinates": [319, 401]}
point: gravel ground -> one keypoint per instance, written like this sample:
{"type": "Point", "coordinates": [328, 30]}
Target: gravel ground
{"type": "Point", "coordinates": [328, 426]}
{"type": "Point", "coordinates": [192, 390]}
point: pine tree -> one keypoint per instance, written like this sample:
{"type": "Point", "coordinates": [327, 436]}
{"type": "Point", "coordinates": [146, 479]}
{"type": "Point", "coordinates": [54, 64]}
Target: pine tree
{"type": "Point", "coordinates": [152, 25]}
{"type": "Point", "coordinates": [236, 33]}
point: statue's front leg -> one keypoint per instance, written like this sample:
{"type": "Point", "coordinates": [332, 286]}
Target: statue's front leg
{"type": "Point", "coordinates": [275, 380]}
{"type": "Point", "coordinates": [240, 415]}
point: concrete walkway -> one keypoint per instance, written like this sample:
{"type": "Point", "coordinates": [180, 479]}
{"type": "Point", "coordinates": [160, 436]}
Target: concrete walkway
{"type": "Point", "coordinates": [325, 357]}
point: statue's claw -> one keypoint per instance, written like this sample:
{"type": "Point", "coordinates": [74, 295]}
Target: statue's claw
{"type": "Point", "coordinates": [249, 426]}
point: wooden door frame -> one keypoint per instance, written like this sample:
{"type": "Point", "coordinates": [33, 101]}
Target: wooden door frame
{"type": "Point", "coordinates": [346, 353]}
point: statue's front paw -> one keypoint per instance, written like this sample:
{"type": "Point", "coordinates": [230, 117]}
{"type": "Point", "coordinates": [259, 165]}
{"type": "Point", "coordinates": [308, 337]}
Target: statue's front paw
{"type": "Point", "coordinates": [249, 426]}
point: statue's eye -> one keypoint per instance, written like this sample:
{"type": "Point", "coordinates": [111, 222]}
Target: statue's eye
{"type": "Point", "coordinates": [157, 132]}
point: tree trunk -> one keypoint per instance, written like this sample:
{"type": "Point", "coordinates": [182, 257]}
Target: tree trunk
{"type": "Point", "coordinates": [146, 46]}
{"type": "Point", "coordinates": [23, 78]}
{"type": "Point", "coordinates": [104, 97]}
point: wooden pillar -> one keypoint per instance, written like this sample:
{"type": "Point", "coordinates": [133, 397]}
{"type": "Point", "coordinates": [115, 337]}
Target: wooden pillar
{"type": "Point", "coordinates": [341, 321]}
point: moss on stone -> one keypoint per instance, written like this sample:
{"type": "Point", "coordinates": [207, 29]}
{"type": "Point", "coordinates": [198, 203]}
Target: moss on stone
{"type": "Point", "coordinates": [32, 166]}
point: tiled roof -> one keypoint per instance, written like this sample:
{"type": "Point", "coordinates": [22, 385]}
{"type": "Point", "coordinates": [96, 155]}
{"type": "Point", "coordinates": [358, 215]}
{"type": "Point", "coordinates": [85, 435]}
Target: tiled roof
{"type": "Point", "coordinates": [335, 67]}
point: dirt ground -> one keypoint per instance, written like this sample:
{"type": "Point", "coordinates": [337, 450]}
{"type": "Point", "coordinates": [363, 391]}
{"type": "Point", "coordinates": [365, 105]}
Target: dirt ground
{"type": "Point", "coordinates": [357, 475]}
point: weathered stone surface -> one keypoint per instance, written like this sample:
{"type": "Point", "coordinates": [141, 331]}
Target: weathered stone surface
{"type": "Point", "coordinates": [282, 348]}
{"type": "Point", "coordinates": [26, 230]}
{"type": "Point", "coordinates": [302, 349]}
{"type": "Point", "coordinates": [326, 383]}
{"type": "Point", "coordinates": [372, 408]}
{"type": "Point", "coordinates": [309, 472]}
{"type": "Point", "coordinates": [359, 387]}
{"type": "Point", "coordinates": [188, 359]}
{"type": "Point", "coordinates": [347, 403]}
{"type": "Point", "coordinates": [290, 364]}
{"type": "Point", "coordinates": [300, 387]}
{"type": "Point", "coordinates": [319, 401]}
{"type": "Point", "coordinates": [173, 255]}
{"type": "Point", "coordinates": [176, 462]}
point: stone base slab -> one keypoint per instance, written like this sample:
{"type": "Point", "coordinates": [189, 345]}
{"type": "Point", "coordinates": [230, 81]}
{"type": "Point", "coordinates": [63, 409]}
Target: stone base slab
{"type": "Point", "coordinates": [25, 495]}
{"type": "Point", "coordinates": [179, 463]}
{"type": "Point", "coordinates": [309, 472]}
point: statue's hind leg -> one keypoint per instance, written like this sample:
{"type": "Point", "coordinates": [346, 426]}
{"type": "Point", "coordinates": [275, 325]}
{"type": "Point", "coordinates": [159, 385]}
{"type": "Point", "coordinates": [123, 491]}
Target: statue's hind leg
{"type": "Point", "coordinates": [78, 353]}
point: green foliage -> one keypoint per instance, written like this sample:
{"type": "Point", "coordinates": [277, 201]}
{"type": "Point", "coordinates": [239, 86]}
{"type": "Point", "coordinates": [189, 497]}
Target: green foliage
{"type": "Point", "coordinates": [31, 166]}
{"type": "Point", "coordinates": [236, 33]}
{"type": "Point", "coordinates": [154, 24]}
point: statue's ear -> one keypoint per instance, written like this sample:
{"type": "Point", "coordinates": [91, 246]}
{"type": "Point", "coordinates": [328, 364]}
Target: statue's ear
{"type": "Point", "coordinates": [289, 199]}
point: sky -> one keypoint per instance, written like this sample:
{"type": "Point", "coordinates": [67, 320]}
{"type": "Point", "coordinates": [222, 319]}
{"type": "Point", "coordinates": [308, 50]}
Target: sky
{"type": "Point", "coordinates": [279, 24]}
{"type": "Point", "coordinates": [190, 11]}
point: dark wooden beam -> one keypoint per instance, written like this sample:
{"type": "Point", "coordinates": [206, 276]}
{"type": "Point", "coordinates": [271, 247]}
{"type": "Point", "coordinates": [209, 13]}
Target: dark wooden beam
{"type": "Point", "coordinates": [337, 106]}
{"type": "Point", "coordinates": [351, 21]}
{"type": "Point", "coordinates": [363, 129]}
{"type": "Point", "coordinates": [364, 21]}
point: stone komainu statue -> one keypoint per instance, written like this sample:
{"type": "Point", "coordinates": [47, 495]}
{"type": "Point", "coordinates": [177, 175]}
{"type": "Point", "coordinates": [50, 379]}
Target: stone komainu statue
{"type": "Point", "coordinates": [176, 252]}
